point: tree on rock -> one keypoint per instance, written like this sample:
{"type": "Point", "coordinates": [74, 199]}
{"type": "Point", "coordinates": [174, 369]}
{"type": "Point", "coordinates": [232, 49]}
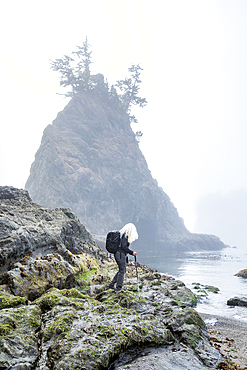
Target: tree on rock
{"type": "Point", "coordinates": [78, 77]}
{"type": "Point", "coordinates": [75, 73]}
{"type": "Point", "coordinates": [129, 88]}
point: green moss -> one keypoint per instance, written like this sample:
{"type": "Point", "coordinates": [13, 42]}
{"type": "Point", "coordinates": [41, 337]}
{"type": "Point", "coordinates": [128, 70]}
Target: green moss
{"type": "Point", "coordinates": [5, 329]}
{"type": "Point", "coordinates": [73, 293]}
{"type": "Point", "coordinates": [125, 299]}
{"type": "Point", "coordinates": [191, 337]}
{"type": "Point", "coordinates": [49, 299]}
{"type": "Point", "coordinates": [8, 301]}
{"type": "Point", "coordinates": [212, 289]}
{"type": "Point", "coordinates": [84, 279]}
{"type": "Point", "coordinates": [88, 268]}
{"type": "Point", "coordinates": [192, 299]}
{"type": "Point", "coordinates": [197, 287]}
{"type": "Point", "coordinates": [193, 318]}
{"type": "Point", "coordinates": [106, 331]}
{"type": "Point", "coordinates": [133, 288]}
{"type": "Point", "coordinates": [20, 320]}
{"type": "Point", "coordinates": [65, 297]}
{"type": "Point", "coordinates": [177, 301]}
{"type": "Point", "coordinates": [60, 326]}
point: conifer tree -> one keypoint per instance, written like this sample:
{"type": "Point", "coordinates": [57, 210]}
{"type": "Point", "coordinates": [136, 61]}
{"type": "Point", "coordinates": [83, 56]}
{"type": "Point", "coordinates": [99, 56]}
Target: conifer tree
{"type": "Point", "coordinates": [78, 76]}
{"type": "Point", "coordinates": [82, 70]}
{"type": "Point", "coordinates": [129, 88]}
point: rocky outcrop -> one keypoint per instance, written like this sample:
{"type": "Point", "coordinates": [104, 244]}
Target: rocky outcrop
{"type": "Point", "coordinates": [89, 160]}
{"type": "Point", "coordinates": [29, 229]}
{"type": "Point", "coordinates": [242, 273]}
{"type": "Point", "coordinates": [38, 244]}
{"type": "Point", "coordinates": [56, 314]}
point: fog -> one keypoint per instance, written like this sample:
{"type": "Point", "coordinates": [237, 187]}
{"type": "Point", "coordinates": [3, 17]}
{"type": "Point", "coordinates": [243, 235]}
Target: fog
{"type": "Point", "coordinates": [224, 215]}
{"type": "Point", "coordinates": [194, 56]}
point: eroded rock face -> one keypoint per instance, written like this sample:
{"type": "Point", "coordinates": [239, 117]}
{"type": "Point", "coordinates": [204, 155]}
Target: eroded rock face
{"type": "Point", "coordinates": [90, 161]}
{"type": "Point", "coordinates": [29, 229]}
{"type": "Point", "coordinates": [38, 245]}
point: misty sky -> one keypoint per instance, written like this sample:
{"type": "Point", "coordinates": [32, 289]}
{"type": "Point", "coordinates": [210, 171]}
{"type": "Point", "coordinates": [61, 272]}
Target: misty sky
{"type": "Point", "coordinates": [194, 56]}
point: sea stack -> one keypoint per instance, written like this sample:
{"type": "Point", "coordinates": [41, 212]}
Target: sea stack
{"type": "Point", "coordinates": [89, 160]}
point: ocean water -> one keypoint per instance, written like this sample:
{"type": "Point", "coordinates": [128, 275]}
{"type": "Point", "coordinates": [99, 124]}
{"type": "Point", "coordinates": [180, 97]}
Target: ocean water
{"type": "Point", "coordinates": [216, 268]}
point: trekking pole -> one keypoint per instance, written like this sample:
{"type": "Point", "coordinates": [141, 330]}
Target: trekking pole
{"type": "Point", "coordinates": [137, 276]}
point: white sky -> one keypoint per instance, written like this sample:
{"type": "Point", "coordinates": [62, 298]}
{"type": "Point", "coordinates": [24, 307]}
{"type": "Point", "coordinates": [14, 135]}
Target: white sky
{"type": "Point", "coordinates": [194, 56]}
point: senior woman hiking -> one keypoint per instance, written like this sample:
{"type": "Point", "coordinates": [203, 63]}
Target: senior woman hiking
{"type": "Point", "coordinates": [128, 235]}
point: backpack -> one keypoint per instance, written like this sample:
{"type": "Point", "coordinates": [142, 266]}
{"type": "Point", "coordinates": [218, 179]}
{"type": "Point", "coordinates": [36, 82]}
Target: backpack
{"type": "Point", "coordinates": [113, 241]}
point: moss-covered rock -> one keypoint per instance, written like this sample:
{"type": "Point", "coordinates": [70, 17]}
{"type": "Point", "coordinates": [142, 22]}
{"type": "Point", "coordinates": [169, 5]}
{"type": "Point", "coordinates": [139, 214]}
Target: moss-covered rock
{"type": "Point", "coordinates": [66, 297]}
{"type": "Point", "coordinates": [32, 277]}
{"type": "Point", "coordinates": [55, 312]}
{"type": "Point", "coordinates": [98, 333]}
{"type": "Point", "coordinates": [212, 289]}
{"type": "Point", "coordinates": [82, 330]}
{"type": "Point", "coordinates": [18, 339]}
{"type": "Point", "coordinates": [9, 300]}
{"type": "Point", "coordinates": [203, 290]}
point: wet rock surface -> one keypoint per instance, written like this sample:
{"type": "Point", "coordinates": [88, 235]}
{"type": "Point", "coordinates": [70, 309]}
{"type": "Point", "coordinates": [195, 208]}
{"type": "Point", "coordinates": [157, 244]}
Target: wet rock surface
{"type": "Point", "coordinates": [56, 314]}
{"type": "Point", "coordinates": [164, 358]}
{"type": "Point", "coordinates": [242, 273]}
{"type": "Point", "coordinates": [202, 291]}
{"type": "Point", "coordinates": [236, 301]}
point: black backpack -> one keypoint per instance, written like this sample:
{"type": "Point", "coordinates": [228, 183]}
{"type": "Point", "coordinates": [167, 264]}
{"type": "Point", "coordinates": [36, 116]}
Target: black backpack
{"type": "Point", "coordinates": [113, 241]}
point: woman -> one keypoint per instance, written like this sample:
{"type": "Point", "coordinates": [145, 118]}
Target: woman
{"type": "Point", "coordinates": [128, 235]}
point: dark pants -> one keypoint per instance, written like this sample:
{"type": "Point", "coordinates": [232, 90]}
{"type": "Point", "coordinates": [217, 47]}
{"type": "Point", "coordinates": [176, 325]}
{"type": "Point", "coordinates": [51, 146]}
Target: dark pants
{"type": "Point", "coordinates": [119, 277]}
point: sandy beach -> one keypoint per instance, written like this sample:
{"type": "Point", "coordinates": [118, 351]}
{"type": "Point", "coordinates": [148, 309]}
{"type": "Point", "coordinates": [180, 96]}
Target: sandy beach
{"type": "Point", "coordinates": [229, 336]}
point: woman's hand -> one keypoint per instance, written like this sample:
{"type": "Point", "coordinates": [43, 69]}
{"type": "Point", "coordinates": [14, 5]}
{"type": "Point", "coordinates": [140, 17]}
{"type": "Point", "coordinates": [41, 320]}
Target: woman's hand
{"type": "Point", "coordinates": [135, 254]}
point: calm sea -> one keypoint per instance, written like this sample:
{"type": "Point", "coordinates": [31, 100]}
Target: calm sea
{"type": "Point", "coordinates": [215, 268]}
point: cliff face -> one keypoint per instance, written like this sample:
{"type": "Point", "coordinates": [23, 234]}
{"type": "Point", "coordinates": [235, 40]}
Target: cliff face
{"type": "Point", "coordinates": [90, 161]}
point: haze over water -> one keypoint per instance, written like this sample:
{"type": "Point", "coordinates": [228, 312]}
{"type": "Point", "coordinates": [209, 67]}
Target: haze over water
{"type": "Point", "coordinates": [216, 268]}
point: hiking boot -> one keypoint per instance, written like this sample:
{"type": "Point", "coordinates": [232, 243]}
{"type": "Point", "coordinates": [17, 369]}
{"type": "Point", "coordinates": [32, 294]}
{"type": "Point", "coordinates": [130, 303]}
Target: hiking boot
{"type": "Point", "coordinates": [117, 290]}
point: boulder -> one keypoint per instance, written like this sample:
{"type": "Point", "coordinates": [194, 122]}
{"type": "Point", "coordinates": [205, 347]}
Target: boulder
{"type": "Point", "coordinates": [27, 229]}
{"type": "Point", "coordinates": [242, 273]}
{"type": "Point", "coordinates": [236, 301]}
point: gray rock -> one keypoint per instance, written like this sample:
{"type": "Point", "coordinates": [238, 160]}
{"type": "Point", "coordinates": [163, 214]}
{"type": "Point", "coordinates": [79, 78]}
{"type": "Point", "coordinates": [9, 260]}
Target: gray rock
{"type": "Point", "coordinates": [173, 358]}
{"type": "Point", "coordinates": [18, 341]}
{"type": "Point", "coordinates": [29, 229]}
{"type": "Point", "coordinates": [242, 273]}
{"type": "Point", "coordinates": [236, 301]}
{"type": "Point", "coordinates": [22, 366]}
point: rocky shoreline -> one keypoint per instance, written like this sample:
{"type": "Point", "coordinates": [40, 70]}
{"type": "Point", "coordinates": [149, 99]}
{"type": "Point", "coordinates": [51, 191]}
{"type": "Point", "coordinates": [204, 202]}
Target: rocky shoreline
{"type": "Point", "coordinates": [229, 337]}
{"type": "Point", "coordinates": [56, 314]}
